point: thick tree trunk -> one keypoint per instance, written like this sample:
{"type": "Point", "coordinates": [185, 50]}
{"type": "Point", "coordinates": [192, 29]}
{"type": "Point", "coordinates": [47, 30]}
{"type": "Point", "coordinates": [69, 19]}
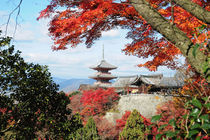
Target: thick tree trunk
{"type": "Point", "coordinates": [193, 8]}
{"type": "Point", "coordinates": [172, 34]}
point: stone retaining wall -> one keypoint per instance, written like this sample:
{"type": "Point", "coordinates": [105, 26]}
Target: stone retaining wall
{"type": "Point", "coordinates": [146, 104]}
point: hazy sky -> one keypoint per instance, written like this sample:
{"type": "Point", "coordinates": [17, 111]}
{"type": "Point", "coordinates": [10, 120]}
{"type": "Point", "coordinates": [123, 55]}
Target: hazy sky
{"type": "Point", "coordinates": [32, 39]}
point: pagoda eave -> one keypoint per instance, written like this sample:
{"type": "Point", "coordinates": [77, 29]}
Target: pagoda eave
{"type": "Point", "coordinates": [97, 78]}
{"type": "Point", "coordinates": [99, 68]}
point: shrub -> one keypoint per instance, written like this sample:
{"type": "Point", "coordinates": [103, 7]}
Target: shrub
{"type": "Point", "coordinates": [76, 105]}
{"type": "Point", "coordinates": [106, 130]}
{"type": "Point", "coordinates": [134, 128]}
{"type": "Point", "coordinates": [90, 130]}
{"type": "Point", "coordinates": [120, 123]}
{"type": "Point", "coordinates": [193, 125]}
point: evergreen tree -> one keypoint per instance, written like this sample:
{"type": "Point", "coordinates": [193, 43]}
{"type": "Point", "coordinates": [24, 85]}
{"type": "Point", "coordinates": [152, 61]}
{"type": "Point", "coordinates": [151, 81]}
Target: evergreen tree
{"type": "Point", "coordinates": [76, 127]}
{"type": "Point", "coordinates": [134, 128]}
{"type": "Point", "coordinates": [90, 130]}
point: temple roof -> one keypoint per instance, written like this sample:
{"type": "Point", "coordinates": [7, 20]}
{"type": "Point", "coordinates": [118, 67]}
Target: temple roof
{"type": "Point", "coordinates": [151, 79]}
{"type": "Point", "coordinates": [155, 80]}
{"type": "Point", "coordinates": [124, 81]}
{"type": "Point", "coordinates": [171, 82]}
{"type": "Point", "coordinates": [103, 65]}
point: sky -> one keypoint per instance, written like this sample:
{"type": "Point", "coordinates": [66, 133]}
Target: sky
{"type": "Point", "coordinates": [31, 38]}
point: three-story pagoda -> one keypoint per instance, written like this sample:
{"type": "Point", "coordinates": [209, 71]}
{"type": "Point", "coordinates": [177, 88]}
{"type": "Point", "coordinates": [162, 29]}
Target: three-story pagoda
{"type": "Point", "coordinates": [103, 76]}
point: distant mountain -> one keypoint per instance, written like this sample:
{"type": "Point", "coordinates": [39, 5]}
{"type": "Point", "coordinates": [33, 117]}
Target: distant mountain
{"type": "Point", "coordinates": [58, 80]}
{"type": "Point", "coordinates": [67, 85]}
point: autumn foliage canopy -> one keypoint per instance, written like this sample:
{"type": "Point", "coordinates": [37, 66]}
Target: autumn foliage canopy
{"type": "Point", "coordinates": [83, 21]}
{"type": "Point", "coordinates": [98, 101]}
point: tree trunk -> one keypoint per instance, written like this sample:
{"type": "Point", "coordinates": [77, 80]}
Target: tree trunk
{"type": "Point", "coordinates": [193, 8]}
{"type": "Point", "coordinates": [172, 34]}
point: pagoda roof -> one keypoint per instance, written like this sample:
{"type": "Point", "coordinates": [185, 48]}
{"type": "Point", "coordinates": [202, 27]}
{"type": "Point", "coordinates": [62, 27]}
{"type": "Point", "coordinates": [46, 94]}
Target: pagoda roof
{"type": "Point", "coordinates": [103, 65]}
{"type": "Point", "coordinates": [102, 75]}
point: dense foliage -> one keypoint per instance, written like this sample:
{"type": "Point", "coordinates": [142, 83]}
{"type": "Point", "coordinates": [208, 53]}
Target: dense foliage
{"type": "Point", "coordinates": [192, 123]}
{"type": "Point", "coordinates": [120, 123]}
{"type": "Point", "coordinates": [98, 101]}
{"type": "Point", "coordinates": [30, 104]}
{"type": "Point", "coordinates": [106, 129]}
{"type": "Point", "coordinates": [134, 128]}
{"type": "Point", "coordinates": [91, 132]}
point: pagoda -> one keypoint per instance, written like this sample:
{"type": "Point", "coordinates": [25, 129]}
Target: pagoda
{"type": "Point", "coordinates": [103, 76]}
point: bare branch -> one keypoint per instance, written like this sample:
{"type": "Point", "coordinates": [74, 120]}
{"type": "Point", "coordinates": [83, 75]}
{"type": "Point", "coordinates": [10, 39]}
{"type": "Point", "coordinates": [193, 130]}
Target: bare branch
{"type": "Point", "coordinates": [11, 13]}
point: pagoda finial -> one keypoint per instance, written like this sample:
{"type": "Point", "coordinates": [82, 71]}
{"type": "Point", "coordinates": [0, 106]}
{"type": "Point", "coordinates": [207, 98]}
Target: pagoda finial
{"type": "Point", "coordinates": [103, 53]}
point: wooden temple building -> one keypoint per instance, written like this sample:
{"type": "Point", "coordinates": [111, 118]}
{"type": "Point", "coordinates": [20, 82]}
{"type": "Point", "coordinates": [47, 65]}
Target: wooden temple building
{"type": "Point", "coordinates": [147, 84]}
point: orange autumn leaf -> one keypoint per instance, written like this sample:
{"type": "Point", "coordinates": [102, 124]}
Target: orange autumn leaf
{"type": "Point", "coordinates": [201, 38]}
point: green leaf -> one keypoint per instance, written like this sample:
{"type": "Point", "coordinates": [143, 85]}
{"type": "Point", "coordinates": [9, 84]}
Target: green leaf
{"type": "Point", "coordinates": [164, 138]}
{"type": "Point", "coordinates": [192, 132]}
{"type": "Point", "coordinates": [170, 134]}
{"type": "Point", "coordinates": [205, 118]}
{"type": "Point", "coordinates": [207, 105]}
{"type": "Point", "coordinates": [197, 103]}
{"type": "Point", "coordinates": [205, 66]}
{"type": "Point", "coordinates": [206, 126]}
{"type": "Point", "coordinates": [194, 126]}
{"type": "Point", "coordinates": [156, 118]}
{"type": "Point", "coordinates": [162, 126]}
{"type": "Point", "coordinates": [172, 122]}
{"type": "Point", "coordinates": [158, 136]}
{"type": "Point", "coordinates": [196, 46]}
{"type": "Point", "coordinates": [195, 112]}
{"type": "Point", "coordinates": [202, 27]}
{"type": "Point", "coordinates": [184, 116]}
{"type": "Point", "coordinates": [198, 138]}
{"type": "Point", "coordinates": [205, 98]}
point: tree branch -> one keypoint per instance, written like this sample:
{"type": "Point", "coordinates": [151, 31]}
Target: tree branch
{"type": "Point", "coordinates": [8, 20]}
{"type": "Point", "coordinates": [196, 10]}
{"type": "Point", "coordinates": [173, 34]}
{"type": "Point", "coordinates": [172, 12]}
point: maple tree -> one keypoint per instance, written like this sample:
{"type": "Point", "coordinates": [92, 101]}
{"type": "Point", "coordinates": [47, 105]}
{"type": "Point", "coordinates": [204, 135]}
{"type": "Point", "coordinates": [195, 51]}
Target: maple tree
{"type": "Point", "coordinates": [76, 105]}
{"type": "Point", "coordinates": [161, 29]}
{"type": "Point", "coordinates": [98, 101]}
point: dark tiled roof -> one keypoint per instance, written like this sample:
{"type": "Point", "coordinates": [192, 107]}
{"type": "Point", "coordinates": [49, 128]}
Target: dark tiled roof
{"type": "Point", "coordinates": [103, 64]}
{"type": "Point", "coordinates": [162, 81]}
{"type": "Point", "coordinates": [170, 82]}
{"type": "Point", "coordinates": [124, 81]}
{"type": "Point", "coordinates": [155, 80]}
